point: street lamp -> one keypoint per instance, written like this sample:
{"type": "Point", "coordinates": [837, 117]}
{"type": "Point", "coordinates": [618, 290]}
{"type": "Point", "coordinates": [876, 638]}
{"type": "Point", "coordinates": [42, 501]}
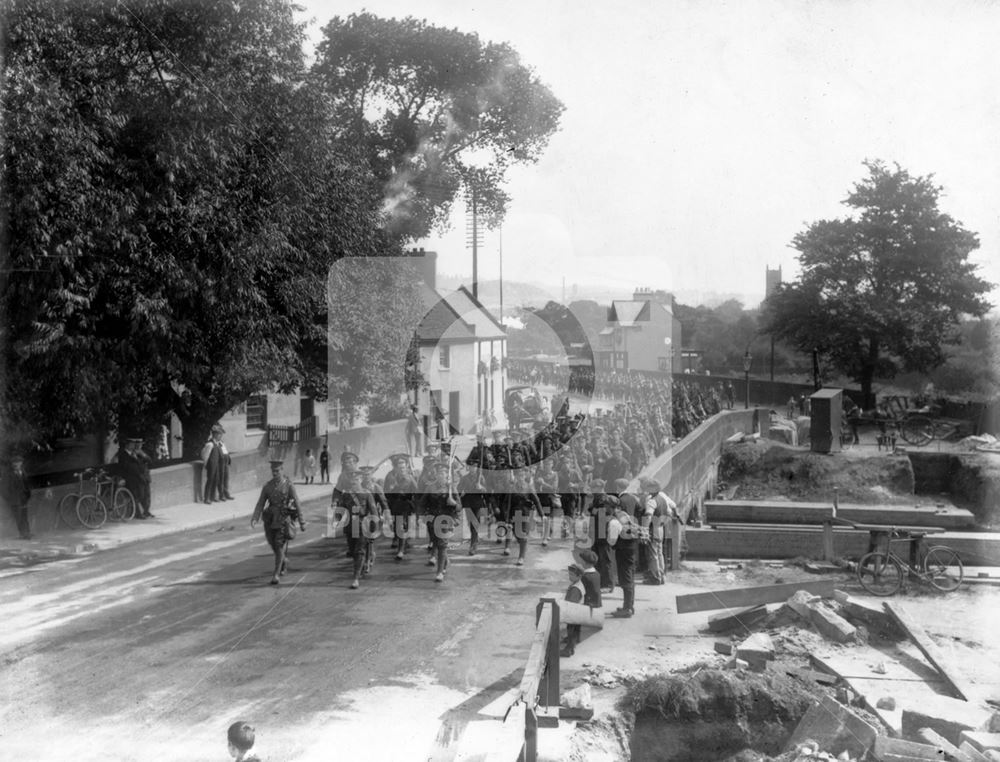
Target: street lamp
{"type": "Point", "coordinates": [747, 359]}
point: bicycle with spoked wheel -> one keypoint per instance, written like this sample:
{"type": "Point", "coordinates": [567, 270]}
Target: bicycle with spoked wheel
{"type": "Point", "coordinates": [109, 499]}
{"type": "Point", "coordinates": [881, 572]}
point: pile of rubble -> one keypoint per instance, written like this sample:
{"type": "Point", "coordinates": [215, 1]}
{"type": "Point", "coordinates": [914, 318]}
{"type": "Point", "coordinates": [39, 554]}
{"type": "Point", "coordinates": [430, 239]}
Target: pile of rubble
{"type": "Point", "coordinates": [872, 705]}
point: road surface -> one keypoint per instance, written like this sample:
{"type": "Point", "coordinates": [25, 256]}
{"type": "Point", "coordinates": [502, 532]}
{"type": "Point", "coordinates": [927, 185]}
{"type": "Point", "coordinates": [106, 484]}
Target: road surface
{"type": "Point", "coordinates": [150, 651]}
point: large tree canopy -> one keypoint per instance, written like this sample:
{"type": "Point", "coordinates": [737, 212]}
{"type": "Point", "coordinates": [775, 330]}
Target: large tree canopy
{"type": "Point", "coordinates": [172, 201]}
{"type": "Point", "coordinates": [882, 290]}
{"type": "Point", "coordinates": [436, 111]}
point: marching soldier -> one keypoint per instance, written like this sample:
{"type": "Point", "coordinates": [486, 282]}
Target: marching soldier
{"type": "Point", "coordinates": [400, 488]}
{"type": "Point", "coordinates": [442, 509]}
{"type": "Point", "coordinates": [278, 507]}
{"type": "Point", "coordinates": [360, 521]}
{"type": "Point", "coordinates": [474, 495]}
{"type": "Point", "coordinates": [348, 465]}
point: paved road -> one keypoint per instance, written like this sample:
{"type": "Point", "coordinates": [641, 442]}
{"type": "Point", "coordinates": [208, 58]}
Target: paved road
{"type": "Point", "coordinates": [150, 651]}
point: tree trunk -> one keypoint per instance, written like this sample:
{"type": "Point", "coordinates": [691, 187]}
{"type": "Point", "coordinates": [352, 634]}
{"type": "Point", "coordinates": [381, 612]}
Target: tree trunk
{"type": "Point", "coordinates": [196, 426]}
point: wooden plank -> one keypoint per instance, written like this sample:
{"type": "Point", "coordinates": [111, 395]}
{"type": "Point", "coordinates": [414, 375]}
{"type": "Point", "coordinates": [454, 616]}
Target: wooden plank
{"type": "Point", "coordinates": [872, 665]}
{"type": "Point", "coordinates": [952, 677]}
{"type": "Point", "coordinates": [945, 748]}
{"type": "Point", "coordinates": [835, 728]}
{"type": "Point", "coordinates": [536, 657]}
{"type": "Point", "coordinates": [749, 596]}
{"type": "Point", "coordinates": [742, 618]}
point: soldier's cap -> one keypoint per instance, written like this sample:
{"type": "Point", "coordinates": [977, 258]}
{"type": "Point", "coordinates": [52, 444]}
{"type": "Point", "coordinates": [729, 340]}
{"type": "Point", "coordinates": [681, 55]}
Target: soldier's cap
{"type": "Point", "coordinates": [347, 455]}
{"type": "Point", "coordinates": [366, 470]}
{"type": "Point", "coordinates": [217, 429]}
{"type": "Point", "coordinates": [574, 569]}
{"type": "Point", "coordinates": [620, 485]}
{"type": "Point", "coordinates": [650, 485]}
{"type": "Point", "coordinates": [429, 458]}
{"type": "Point", "coordinates": [275, 463]}
{"type": "Point", "coordinates": [134, 439]}
{"type": "Point", "coordinates": [399, 458]}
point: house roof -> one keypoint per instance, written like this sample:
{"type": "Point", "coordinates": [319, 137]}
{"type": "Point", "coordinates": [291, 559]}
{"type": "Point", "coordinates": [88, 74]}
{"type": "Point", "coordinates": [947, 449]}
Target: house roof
{"type": "Point", "coordinates": [628, 312]}
{"type": "Point", "coordinates": [440, 320]}
{"type": "Point", "coordinates": [475, 314]}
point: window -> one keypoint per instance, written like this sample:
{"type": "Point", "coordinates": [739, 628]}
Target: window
{"type": "Point", "coordinates": [257, 412]}
{"type": "Point", "coordinates": [444, 356]}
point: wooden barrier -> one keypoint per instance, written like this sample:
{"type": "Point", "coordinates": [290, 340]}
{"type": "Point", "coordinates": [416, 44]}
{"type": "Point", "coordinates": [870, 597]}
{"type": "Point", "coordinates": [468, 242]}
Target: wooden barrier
{"type": "Point", "coordinates": [540, 682]}
{"type": "Point", "coordinates": [775, 512]}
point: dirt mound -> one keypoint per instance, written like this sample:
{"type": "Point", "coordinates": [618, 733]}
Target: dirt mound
{"type": "Point", "coordinates": [711, 714]}
{"type": "Point", "coordinates": [764, 469]}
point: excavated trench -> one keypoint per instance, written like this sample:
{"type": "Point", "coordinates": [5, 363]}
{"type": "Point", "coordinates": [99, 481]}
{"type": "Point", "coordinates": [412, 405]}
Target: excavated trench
{"type": "Point", "coordinates": [710, 715]}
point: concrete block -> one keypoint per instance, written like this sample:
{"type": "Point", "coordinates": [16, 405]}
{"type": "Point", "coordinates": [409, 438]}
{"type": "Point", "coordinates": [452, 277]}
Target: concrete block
{"type": "Point", "coordinates": [972, 752]}
{"type": "Point", "coordinates": [800, 603]}
{"type": "Point", "coordinates": [873, 618]}
{"type": "Point", "coordinates": [886, 702]}
{"type": "Point", "coordinates": [897, 750]}
{"type": "Point", "coordinates": [944, 715]}
{"type": "Point", "coordinates": [724, 648]}
{"type": "Point", "coordinates": [735, 663]}
{"type": "Point", "coordinates": [980, 740]}
{"type": "Point", "coordinates": [835, 728]}
{"type": "Point", "coordinates": [758, 647]}
{"type": "Point", "coordinates": [831, 624]}
{"type": "Point", "coordinates": [992, 725]}
{"type": "Point", "coordinates": [946, 749]}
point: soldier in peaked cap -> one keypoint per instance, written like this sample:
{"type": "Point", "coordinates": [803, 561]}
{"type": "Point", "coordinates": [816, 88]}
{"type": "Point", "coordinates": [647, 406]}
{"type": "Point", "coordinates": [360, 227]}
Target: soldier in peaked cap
{"type": "Point", "coordinates": [400, 489]}
{"type": "Point", "coordinates": [348, 465]}
{"type": "Point", "coordinates": [278, 506]}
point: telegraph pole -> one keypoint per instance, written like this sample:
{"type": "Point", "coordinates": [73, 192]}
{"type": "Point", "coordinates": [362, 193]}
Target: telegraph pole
{"type": "Point", "coordinates": [473, 239]}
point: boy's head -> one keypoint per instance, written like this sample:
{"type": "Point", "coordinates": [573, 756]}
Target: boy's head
{"type": "Point", "coordinates": [588, 557]}
{"type": "Point", "coordinates": [575, 573]}
{"type": "Point", "coordinates": [241, 738]}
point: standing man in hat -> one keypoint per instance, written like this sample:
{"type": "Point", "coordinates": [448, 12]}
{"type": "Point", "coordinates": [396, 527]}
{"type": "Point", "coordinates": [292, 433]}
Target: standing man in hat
{"type": "Point", "coordinates": [324, 465]}
{"type": "Point", "coordinates": [278, 506]}
{"type": "Point", "coordinates": [414, 432]}
{"type": "Point", "coordinates": [134, 469]}
{"type": "Point", "coordinates": [211, 456]}
{"type": "Point", "coordinates": [16, 493]}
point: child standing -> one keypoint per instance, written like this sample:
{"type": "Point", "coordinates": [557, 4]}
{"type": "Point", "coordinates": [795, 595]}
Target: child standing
{"type": "Point", "coordinates": [309, 467]}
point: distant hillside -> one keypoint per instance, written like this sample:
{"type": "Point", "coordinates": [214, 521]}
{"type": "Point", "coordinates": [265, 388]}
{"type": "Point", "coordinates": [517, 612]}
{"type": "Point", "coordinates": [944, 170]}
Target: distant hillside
{"type": "Point", "coordinates": [515, 293]}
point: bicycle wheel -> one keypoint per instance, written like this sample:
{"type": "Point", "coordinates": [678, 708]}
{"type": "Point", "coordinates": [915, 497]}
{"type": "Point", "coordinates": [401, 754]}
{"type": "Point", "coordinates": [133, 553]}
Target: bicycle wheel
{"type": "Point", "coordinates": [917, 430]}
{"type": "Point", "coordinates": [880, 574]}
{"type": "Point", "coordinates": [124, 504]}
{"type": "Point", "coordinates": [91, 511]}
{"type": "Point", "coordinates": [67, 510]}
{"type": "Point", "coordinates": [943, 568]}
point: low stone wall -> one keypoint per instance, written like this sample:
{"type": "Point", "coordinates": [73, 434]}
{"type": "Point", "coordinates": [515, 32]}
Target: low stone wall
{"type": "Point", "coordinates": [183, 483]}
{"type": "Point", "coordinates": [688, 470]}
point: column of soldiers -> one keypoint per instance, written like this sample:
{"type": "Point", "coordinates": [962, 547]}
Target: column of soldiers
{"type": "Point", "coordinates": [570, 477]}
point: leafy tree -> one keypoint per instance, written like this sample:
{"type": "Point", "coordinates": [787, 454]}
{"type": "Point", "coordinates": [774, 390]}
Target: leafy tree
{"type": "Point", "coordinates": [880, 291]}
{"type": "Point", "coordinates": [374, 310]}
{"type": "Point", "coordinates": [172, 200]}
{"type": "Point", "coordinates": [434, 111]}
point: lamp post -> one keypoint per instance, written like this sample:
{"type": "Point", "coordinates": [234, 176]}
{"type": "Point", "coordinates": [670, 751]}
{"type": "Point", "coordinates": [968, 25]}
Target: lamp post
{"type": "Point", "coordinates": [747, 359]}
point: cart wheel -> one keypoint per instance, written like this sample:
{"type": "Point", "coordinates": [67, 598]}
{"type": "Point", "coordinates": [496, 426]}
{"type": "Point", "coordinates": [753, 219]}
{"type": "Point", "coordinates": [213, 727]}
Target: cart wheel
{"type": "Point", "coordinates": [917, 430]}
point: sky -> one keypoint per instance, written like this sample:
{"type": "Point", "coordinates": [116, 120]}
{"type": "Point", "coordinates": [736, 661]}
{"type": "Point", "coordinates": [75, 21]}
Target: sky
{"type": "Point", "coordinates": [700, 137]}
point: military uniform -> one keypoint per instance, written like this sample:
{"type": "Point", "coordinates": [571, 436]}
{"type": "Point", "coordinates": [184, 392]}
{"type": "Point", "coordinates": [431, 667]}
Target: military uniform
{"type": "Point", "coordinates": [400, 488]}
{"type": "Point", "coordinates": [278, 507]}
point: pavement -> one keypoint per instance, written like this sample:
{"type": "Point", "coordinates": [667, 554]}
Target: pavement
{"type": "Point", "coordinates": [72, 543]}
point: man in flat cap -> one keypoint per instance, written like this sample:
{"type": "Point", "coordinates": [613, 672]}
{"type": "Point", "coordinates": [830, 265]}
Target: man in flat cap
{"type": "Point", "coordinates": [16, 492]}
{"type": "Point", "coordinates": [134, 469]}
{"type": "Point", "coordinates": [211, 456]}
{"type": "Point", "coordinates": [278, 507]}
